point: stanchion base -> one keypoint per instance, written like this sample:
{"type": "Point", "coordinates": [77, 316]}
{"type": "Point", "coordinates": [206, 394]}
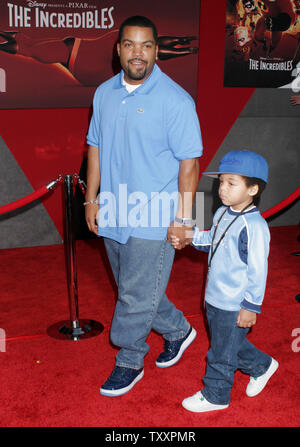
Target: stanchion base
{"type": "Point", "coordinates": [63, 330]}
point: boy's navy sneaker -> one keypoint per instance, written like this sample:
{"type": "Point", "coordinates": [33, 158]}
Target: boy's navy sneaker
{"type": "Point", "coordinates": [173, 350]}
{"type": "Point", "coordinates": [121, 381]}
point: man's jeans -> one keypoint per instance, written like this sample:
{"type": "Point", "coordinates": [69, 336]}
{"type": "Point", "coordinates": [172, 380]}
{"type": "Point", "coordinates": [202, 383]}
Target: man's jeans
{"type": "Point", "coordinates": [141, 270]}
{"type": "Point", "coordinates": [229, 350]}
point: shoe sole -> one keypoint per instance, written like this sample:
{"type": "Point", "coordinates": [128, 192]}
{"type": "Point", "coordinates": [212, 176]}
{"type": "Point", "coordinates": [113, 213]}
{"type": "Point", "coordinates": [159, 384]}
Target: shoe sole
{"type": "Point", "coordinates": [121, 391]}
{"type": "Point", "coordinates": [184, 345]}
{"type": "Point", "coordinates": [196, 404]}
{"type": "Point", "coordinates": [272, 369]}
{"type": "Point", "coordinates": [205, 409]}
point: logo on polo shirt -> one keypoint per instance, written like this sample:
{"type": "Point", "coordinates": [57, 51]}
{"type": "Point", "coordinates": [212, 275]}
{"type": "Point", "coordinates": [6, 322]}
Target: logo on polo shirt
{"type": "Point", "coordinates": [140, 110]}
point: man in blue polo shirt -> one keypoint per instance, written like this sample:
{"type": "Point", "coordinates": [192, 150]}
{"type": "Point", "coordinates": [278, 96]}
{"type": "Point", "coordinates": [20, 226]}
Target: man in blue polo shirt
{"type": "Point", "coordinates": [144, 142]}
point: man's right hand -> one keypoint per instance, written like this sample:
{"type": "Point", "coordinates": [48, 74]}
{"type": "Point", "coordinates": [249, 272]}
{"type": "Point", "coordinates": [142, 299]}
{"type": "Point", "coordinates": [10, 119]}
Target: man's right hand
{"type": "Point", "coordinates": [91, 211]}
{"type": "Point", "coordinates": [179, 235]}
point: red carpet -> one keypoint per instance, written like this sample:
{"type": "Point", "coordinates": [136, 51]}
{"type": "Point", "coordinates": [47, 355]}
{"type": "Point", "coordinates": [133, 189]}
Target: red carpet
{"type": "Point", "coordinates": [52, 383]}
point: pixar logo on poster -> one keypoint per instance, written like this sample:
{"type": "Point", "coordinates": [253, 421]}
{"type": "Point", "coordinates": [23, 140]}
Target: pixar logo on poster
{"type": "Point", "coordinates": [2, 80]}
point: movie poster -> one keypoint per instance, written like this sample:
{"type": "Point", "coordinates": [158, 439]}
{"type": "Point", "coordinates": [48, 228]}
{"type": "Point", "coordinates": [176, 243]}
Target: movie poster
{"type": "Point", "coordinates": [54, 53]}
{"type": "Point", "coordinates": [262, 43]}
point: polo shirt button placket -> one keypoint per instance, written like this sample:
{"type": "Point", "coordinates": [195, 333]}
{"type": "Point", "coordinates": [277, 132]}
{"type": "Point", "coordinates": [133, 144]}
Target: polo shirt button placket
{"type": "Point", "coordinates": [123, 109]}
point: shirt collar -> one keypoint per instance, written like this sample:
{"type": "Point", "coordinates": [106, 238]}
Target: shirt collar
{"type": "Point", "coordinates": [234, 213]}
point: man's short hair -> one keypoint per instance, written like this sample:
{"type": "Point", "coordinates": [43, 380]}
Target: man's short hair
{"type": "Point", "coordinates": [142, 21]}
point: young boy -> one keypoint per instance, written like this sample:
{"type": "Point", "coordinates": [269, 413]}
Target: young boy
{"type": "Point", "coordinates": [238, 245]}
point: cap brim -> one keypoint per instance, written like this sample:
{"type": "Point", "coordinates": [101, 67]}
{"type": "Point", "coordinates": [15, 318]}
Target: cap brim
{"type": "Point", "coordinates": [213, 174]}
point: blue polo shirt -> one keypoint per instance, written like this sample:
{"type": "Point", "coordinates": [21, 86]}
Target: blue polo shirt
{"type": "Point", "coordinates": [141, 137]}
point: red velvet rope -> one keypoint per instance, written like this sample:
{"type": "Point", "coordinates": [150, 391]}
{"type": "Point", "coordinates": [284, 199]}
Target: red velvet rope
{"type": "Point", "coordinates": [24, 201]}
{"type": "Point", "coordinates": [275, 209]}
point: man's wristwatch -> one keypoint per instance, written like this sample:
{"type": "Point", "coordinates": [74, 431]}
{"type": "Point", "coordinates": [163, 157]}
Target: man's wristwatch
{"type": "Point", "coordinates": [186, 221]}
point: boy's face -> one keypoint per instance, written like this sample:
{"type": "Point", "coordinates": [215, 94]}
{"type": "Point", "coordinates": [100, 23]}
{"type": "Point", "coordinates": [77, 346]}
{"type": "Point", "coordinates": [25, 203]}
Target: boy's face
{"type": "Point", "coordinates": [234, 192]}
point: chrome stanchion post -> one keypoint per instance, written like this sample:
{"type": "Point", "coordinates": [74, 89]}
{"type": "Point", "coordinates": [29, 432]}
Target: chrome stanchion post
{"type": "Point", "coordinates": [70, 253]}
{"type": "Point", "coordinates": [74, 328]}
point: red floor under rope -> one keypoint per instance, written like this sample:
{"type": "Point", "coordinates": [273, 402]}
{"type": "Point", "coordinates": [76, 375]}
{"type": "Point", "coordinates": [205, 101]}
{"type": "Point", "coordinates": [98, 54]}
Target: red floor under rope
{"type": "Point", "coordinates": [53, 383]}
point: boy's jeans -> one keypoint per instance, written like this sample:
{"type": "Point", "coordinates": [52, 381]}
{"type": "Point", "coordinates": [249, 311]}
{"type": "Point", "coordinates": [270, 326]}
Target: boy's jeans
{"type": "Point", "coordinates": [141, 270]}
{"type": "Point", "coordinates": [229, 350]}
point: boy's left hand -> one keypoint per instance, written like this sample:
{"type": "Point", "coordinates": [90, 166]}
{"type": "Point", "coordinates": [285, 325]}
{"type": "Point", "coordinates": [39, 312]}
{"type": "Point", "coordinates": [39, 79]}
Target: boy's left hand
{"type": "Point", "coordinates": [246, 318]}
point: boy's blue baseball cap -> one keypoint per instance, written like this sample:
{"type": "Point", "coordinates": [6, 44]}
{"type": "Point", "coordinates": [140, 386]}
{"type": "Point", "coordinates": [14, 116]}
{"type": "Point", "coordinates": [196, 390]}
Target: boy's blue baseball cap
{"type": "Point", "coordinates": [247, 163]}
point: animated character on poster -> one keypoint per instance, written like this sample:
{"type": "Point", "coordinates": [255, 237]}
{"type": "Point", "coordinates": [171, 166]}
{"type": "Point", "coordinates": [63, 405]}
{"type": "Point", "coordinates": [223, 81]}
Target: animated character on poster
{"type": "Point", "coordinates": [55, 54]}
{"type": "Point", "coordinates": [88, 60]}
{"type": "Point", "coordinates": [262, 42]}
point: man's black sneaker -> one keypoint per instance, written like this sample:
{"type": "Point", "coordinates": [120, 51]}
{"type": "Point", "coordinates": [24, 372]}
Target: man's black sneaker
{"type": "Point", "coordinates": [173, 350]}
{"type": "Point", "coordinates": [121, 381]}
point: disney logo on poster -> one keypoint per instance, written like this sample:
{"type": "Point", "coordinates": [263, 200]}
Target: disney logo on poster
{"type": "Point", "coordinates": [34, 4]}
{"type": "Point", "coordinates": [78, 5]}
